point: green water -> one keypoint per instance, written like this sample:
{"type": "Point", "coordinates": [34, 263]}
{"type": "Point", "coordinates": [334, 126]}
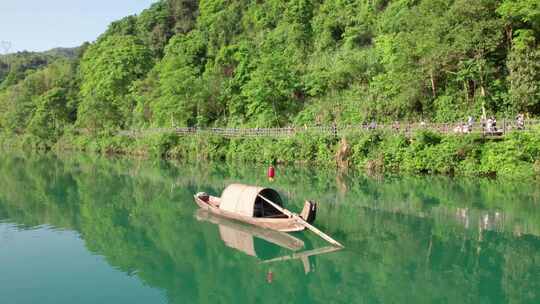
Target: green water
{"type": "Point", "coordinates": [93, 230]}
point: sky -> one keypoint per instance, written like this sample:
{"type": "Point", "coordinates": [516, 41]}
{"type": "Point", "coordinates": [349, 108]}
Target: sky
{"type": "Point", "coordinates": [39, 25]}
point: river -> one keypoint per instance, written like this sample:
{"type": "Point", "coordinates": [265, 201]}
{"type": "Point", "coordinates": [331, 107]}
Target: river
{"type": "Point", "coordinates": [88, 229]}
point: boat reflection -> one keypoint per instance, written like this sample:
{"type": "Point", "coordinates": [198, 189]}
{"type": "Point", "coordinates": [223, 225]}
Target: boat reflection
{"type": "Point", "coordinates": [245, 238]}
{"type": "Point", "coordinates": [241, 237]}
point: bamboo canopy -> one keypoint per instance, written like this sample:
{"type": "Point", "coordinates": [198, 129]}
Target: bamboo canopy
{"type": "Point", "coordinates": [245, 200]}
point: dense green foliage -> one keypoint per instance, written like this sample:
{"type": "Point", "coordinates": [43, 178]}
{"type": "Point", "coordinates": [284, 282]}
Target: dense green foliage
{"type": "Point", "coordinates": [15, 67]}
{"type": "Point", "coordinates": [277, 63]}
{"type": "Point", "coordinates": [107, 70]}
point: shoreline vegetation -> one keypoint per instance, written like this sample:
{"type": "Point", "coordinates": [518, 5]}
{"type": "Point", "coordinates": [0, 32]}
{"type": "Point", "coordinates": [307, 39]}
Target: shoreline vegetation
{"type": "Point", "coordinates": [275, 63]}
{"type": "Point", "coordinates": [516, 155]}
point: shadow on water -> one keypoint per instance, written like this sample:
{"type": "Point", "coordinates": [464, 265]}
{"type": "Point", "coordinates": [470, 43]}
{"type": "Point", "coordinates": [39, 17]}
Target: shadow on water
{"type": "Point", "coordinates": [408, 240]}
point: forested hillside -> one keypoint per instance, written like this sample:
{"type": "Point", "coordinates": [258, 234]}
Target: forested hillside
{"type": "Point", "coordinates": [278, 63]}
{"type": "Point", "coordinates": [14, 67]}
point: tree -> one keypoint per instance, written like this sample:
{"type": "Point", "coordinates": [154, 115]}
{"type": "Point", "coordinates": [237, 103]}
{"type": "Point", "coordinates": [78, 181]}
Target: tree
{"type": "Point", "coordinates": [270, 93]}
{"type": "Point", "coordinates": [19, 103]}
{"type": "Point", "coordinates": [51, 115]}
{"type": "Point", "coordinates": [181, 87]}
{"type": "Point", "coordinates": [520, 13]}
{"type": "Point", "coordinates": [523, 29]}
{"type": "Point", "coordinates": [524, 77]}
{"type": "Point", "coordinates": [108, 70]}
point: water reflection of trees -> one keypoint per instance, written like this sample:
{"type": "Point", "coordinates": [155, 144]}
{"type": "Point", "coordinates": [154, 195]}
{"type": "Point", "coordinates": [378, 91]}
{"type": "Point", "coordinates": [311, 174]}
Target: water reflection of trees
{"type": "Point", "coordinates": [502, 205]}
{"type": "Point", "coordinates": [407, 240]}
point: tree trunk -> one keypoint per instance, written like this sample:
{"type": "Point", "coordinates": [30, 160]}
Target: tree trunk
{"type": "Point", "coordinates": [482, 88]}
{"type": "Point", "coordinates": [433, 84]}
{"type": "Point", "coordinates": [509, 36]}
{"type": "Point", "coordinates": [466, 89]}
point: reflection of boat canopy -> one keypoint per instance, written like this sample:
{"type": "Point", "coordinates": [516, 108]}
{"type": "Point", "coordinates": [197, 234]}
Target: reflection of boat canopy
{"type": "Point", "coordinates": [239, 240]}
{"type": "Point", "coordinates": [234, 234]}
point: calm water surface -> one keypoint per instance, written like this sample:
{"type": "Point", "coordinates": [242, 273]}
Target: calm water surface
{"type": "Point", "coordinates": [79, 229]}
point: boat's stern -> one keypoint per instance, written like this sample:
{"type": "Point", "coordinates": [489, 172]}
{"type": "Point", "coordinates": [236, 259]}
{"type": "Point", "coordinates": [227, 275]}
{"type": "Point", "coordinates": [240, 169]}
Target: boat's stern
{"type": "Point", "coordinates": [309, 212]}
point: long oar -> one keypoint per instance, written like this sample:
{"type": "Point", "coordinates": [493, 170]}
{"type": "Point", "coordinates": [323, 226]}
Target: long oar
{"type": "Point", "coordinates": [303, 222]}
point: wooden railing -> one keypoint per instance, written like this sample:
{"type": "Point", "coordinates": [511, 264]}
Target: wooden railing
{"type": "Point", "coordinates": [405, 128]}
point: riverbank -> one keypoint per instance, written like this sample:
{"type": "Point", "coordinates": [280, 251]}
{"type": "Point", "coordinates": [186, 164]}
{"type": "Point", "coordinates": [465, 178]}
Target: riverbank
{"type": "Point", "coordinates": [517, 155]}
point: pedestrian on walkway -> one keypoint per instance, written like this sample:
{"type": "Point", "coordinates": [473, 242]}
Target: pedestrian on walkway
{"type": "Point", "coordinates": [470, 123]}
{"type": "Point", "coordinates": [520, 121]}
{"type": "Point", "coordinates": [489, 125]}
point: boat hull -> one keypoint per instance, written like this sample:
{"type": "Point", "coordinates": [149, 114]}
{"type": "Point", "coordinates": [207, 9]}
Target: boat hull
{"type": "Point", "coordinates": [279, 224]}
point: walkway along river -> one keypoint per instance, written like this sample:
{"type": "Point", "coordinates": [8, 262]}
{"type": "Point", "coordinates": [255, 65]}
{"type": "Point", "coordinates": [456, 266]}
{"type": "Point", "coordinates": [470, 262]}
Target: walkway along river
{"type": "Point", "coordinates": [406, 128]}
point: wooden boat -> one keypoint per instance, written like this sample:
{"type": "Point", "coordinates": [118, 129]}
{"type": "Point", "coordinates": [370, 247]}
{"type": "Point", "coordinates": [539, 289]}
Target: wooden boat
{"type": "Point", "coordinates": [256, 206]}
